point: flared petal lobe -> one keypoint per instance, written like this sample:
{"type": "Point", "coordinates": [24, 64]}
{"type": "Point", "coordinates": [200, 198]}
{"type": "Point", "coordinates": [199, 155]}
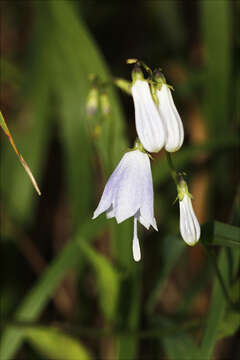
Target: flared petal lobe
{"type": "Point", "coordinates": [171, 119]}
{"type": "Point", "coordinates": [129, 191]}
{"type": "Point", "coordinates": [149, 126]}
{"type": "Point", "coordinates": [189, 225]}
{"type": "Point", "coordinates": [109, 190]}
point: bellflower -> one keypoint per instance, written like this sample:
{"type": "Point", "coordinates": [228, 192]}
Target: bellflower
{"type": "Point", "coordinates": [149, 126]}
{"type": "Point", "coordinates": [170, 117]}
{"type": "Point", "coordinates": [189, 225]}
{"type": "Point", "coordinates": [129, 192]}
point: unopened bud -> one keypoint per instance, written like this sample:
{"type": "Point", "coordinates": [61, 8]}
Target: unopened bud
{"type": "Point", "coordinates": [158, 76]}
{"type": "Point", "coordinates": [105, 103]}
{"type": "Point", "coordinates": [137, 73]}
{"type": "Point", "coordinates": [92, 101]}
{"type": "Point", "coordinates": [189, 225]}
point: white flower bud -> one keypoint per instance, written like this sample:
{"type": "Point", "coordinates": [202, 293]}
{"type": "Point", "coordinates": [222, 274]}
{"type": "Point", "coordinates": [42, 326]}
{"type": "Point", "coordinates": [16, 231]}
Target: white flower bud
{"type": "Point", "coordinates": [92, 101]}
{"type": "Point", "coordinates": [150, 128]}
{"type": "Point", "coordinates": [189, 225]}
{"type": "Point", "coordinates": [171, 119]}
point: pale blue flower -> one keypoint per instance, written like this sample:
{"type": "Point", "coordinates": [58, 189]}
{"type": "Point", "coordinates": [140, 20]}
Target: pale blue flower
{"type": "Point", "coordinates": [129, 192]}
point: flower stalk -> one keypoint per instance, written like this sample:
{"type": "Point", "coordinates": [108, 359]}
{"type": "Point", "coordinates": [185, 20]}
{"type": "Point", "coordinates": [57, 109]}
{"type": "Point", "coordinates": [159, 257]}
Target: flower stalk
{"type": "Point", "coordinates": [172, 169]}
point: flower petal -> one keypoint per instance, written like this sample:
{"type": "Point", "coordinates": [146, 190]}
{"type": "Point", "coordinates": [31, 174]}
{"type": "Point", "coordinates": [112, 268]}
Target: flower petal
{"type": "Point", "coordinates": [189, 226]}
{"type": "Point", "coordinates": [109, 190]}
{"type": "Point", "coordinates": [171, 119]}
{"type": "Point", "coordinates": [146, 209]}
{"type": "Point", "coordinates": [150, 128]}
{"type": "Point", "coordinates": [127, 198]}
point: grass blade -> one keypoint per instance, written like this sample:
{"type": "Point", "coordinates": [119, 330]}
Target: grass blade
{"type": "Point", "coordinates": [23, 162]}
{"type": "Point", "coordinates": [37, 298]}
{"type": "Point", "coordinates": [54, 344]}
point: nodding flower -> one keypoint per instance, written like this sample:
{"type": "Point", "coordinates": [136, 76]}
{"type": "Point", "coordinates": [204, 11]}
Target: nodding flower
{"type": "Point", "coordinates": [129, 192]}
{"type": "Point", "coordinates": [189, 225]}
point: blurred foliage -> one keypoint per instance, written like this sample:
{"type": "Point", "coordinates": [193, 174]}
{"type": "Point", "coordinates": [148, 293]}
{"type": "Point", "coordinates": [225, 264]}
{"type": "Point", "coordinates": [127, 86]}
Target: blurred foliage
{"type": "Point", "coordinates": [70, 288]}
{"type": "Point", "coordinates": [56, 345]}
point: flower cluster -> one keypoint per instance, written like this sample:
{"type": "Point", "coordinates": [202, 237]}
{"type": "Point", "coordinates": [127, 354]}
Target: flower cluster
{"type": "Point", "coordinates": [158, 123]}
{"type": "Point", "coordinates": [129, 190]}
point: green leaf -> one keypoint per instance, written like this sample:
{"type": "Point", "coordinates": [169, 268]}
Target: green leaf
{"type": "Point", "coordinates": [35, 301]}
{"type": "Point", "coordinates": [218, 304]}
{"type": "Point", "coordinates": [33, 140]}
{"type": "Point", "coordinates": [4, 126]}
{"type": "Point", "coordinates": [127, 346]}
{"type": "Point", "coordinates": [218, 233]}
{"type": "Point", "coordinates": [10, 74]}
{"type": "Point", "coordinates": [230, 324]}
{"type": "Point", "coordinates": [181, 346]}
{"type": "Point", "coordinates": [54, 344]}
{"type": "Point", "coordinates": [217, 39]}
{"type": "Point", "coordinates": [107, 279]}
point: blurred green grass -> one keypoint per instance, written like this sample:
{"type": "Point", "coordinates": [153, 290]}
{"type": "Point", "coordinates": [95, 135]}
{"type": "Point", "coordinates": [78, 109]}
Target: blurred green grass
{"type": "Point", "coordinates": [51, 85]}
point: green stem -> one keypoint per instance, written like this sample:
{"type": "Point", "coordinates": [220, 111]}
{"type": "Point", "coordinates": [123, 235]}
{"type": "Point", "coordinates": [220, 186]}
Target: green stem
{"type": "Point", "coordinates": [77, 330]}
{"type": "Point", "coordinates": [172, 167]}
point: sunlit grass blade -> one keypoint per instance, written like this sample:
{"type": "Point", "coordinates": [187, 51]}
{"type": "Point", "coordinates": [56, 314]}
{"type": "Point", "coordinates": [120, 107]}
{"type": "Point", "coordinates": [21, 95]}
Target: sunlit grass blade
{"type": "Point", "coordinates": [23, 162]}
{"type": "Point", "coordinates": [54, 344]}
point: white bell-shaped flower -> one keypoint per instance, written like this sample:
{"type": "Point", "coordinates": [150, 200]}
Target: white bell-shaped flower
{"type": "Point", "coordinates": [129, 192]}
{"type": "Point", "coordinates": [189, 225]}
{"type": "Point", "coordinates": [171, 119]}
{"type": "Point", "coordinates": [149, 126]}
{"type": "Point", "coordinates": [169, 114]}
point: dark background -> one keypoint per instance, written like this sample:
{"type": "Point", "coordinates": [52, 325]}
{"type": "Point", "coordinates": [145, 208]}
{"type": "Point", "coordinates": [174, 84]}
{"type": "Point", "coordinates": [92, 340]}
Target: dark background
{"type": "Point", "coordinates": [98, 294]}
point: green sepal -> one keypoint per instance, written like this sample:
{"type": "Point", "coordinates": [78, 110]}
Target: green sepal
{"type": "Point", "coordinates": [182, 190]}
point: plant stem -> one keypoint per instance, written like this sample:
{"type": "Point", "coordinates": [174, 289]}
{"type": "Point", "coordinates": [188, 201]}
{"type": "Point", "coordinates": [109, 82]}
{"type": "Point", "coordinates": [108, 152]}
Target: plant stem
{"type": "Point", "coordinates": [172, 167]}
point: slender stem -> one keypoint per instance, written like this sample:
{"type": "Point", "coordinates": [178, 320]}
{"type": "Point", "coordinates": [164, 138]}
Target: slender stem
{"type": "Point", "coordinates": [76, 329]}
{"type": "Point", "coordinates": [212, 257]}
{"type": "Point", "coordinates": [172, 167]}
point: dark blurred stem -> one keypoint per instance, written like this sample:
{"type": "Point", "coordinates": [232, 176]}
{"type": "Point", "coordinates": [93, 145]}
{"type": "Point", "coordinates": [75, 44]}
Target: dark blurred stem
{"type": "Point", "coordinates": [171, 167]}
{"type": "Point", "coordinates": [213, 260]}
{"type": "Point", "coordinates": [76, 329]}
